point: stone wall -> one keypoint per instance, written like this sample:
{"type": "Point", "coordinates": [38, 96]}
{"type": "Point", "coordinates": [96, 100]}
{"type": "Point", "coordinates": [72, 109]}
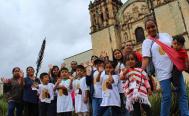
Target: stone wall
{"type": "Point", "coordinates": [80, 58]}
{"type": "Point", "coordinates": [105, 40]}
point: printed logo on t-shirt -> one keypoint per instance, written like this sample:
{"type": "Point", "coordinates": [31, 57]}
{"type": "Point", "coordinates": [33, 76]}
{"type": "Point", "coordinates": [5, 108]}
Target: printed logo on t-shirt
{"type": "Point", "coordinates": [45, 94]}
{"type": "Point", "coordinates": [161, 51]}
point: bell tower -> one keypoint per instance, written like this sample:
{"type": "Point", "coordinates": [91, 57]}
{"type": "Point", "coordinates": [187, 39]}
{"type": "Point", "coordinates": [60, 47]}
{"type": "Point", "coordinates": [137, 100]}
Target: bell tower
{"type": "Point", "coordinates": [104, 34]}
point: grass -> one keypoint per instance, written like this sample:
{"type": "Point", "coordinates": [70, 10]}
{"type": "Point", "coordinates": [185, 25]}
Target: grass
{"type": "Point", "coordinates": [3, 106]}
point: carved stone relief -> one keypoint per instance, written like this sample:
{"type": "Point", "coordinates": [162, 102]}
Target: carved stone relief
{"type": "Point", "coordinates": [135, 11]}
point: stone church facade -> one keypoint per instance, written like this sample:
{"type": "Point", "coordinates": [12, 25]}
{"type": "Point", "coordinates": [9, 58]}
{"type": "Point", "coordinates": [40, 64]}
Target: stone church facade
{"type": "Point", "coordinates": [113, 22]}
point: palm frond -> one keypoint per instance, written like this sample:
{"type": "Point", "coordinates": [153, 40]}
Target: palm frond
{"type": "Point", "coordinates": [40, 56]}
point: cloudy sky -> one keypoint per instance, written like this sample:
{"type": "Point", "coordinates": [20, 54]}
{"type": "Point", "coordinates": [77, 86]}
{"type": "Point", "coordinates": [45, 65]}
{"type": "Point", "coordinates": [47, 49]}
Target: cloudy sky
{"type": "Point", "coordinates": [25, 23]}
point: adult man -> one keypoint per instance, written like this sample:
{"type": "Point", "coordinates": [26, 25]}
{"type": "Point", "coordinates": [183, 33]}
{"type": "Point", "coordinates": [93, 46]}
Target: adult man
{"type": "Point", "coordinates": [129, 48]}
{"type": "Point", "coordinates": [73, 68]}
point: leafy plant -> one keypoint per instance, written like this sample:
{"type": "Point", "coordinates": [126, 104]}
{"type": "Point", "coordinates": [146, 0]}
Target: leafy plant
{"type": "Point", "coordinates": [3, 106]}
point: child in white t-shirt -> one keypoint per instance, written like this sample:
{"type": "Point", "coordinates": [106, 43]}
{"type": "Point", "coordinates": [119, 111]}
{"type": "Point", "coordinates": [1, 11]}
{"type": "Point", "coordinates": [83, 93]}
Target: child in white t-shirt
{"type": "Point", "coordinates": [81, 92]}
{"type": "Point", "coordinates": [64, 99]}
{"type": "Point", "coordinates": [110, 92]}
{"type": "Point", "coordinates": [46, 95]}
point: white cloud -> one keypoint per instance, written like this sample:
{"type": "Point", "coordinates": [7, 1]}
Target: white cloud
{"type": "Point", "coordinates": [24, 24]}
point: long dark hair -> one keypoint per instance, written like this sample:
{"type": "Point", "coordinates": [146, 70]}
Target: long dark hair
{"type": "Point", "coordinates": [28, 68]}
{"type": "Point", "coordinates": [116, 60]}
{"type": "Point", "coordinates": [52, 74]}
{"type": "Point", "coordinates": [113, 65]}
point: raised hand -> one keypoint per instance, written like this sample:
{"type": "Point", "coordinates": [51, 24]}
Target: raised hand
{"type": "Point", "coordinates": [50, 66]}
{"type": "Point", "coordinates": [5, 80]}
{"type": "Point", "coordinates": [63, 65]}
{"type": "Point", "coordinates": [57, 82]}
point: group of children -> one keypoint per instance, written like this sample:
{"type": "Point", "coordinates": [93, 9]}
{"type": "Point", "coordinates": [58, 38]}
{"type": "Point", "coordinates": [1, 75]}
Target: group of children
{"type": "Point", "coordinates": [104, 88]}
{"type": "Point", "coordinates": [109, 80]}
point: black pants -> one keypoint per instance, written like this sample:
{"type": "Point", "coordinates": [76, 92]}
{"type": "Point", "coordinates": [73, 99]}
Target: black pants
{"type": "Point", "coordinates": [53, 106]}
{"type": "Point", "coordinates": [137, 111]}
{"type": "Point", "coordinates": [44, 109]}
{"type": "Point", "coordinates": [115, 110]}
{"type": "Point", "coordinates": [31, 109]}
{"type": "Point", "coordinates": [65, 114]}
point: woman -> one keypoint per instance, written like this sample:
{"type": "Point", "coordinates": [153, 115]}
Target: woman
{"type": "Point", "coordinates": [30, 95]}
{"type": "Point", "coordinates": [13, 89]}
{"type": "Point", "coordinates": [163, 68]}
{"type": "Point", "coordinates": [118, 61]}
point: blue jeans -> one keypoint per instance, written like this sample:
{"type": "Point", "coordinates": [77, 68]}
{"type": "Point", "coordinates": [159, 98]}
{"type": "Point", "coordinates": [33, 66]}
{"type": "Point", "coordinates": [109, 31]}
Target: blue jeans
{"type": "Point", "coordinates": [182, 97]}
{"type": "Point", "coordinates": [96, 107]}
{"type": "Point", "coordinates": [11, 107]}
{"type": "Point", "coordinates": [166, 97]}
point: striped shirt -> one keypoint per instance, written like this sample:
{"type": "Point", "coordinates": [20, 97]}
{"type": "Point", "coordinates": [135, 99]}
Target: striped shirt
{"type": "Point", "coordinates": [135, 87]}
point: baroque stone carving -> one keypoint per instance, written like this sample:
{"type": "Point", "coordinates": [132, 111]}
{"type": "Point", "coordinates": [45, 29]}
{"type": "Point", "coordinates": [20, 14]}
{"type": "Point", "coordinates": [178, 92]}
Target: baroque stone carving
{"type": "Point", "coordinates": [144, 9]}
{"type": "Point", "coordinates": [127, 17]}
{"type": "Point", "coordinates": [158, 2]}
{"type": "Point", "coordinates": [135, 11]}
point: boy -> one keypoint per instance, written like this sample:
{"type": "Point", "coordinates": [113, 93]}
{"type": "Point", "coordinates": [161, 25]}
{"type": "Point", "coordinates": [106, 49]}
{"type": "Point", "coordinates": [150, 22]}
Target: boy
{"type": "Point", "coordinates": [178, 45]}
{"type": "Point", "coordinates": [46, 95]}
{"type": "Point", "coordinates": [81, 92]}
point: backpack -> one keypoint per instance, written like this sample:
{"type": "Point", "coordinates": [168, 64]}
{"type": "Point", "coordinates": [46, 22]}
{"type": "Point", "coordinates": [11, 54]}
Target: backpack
{"type": "Point", "coordinates": [150, 70]}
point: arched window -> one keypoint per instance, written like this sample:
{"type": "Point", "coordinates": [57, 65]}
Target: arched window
{"type": "Point", "coordinates": [139, 34]}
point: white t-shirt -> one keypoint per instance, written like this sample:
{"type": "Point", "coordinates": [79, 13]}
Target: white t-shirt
{"type": "Point", "coordinates": [118, 68]}
{"type": "Point", "coordinates": [110, 97]}
{"type": "Point", "coordinates": [162, 63]}
{"type": "Point", "coordinates": [64, 102]}
{"type": "Point", "coordinates": [97, 86]}
{"type": "Point", "coordinates": [46, 93]}
{"type": "Point", "coordinates": [80, 106]}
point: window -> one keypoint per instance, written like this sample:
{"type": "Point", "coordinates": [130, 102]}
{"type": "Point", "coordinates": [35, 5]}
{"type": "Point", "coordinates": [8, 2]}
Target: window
{"type": "Point", "coordinates": [139, 34]}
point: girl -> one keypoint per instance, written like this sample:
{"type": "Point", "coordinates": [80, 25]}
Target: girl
{"type": "Point", "coordinates": [135, 87]}
{"type": "Point", "coordinates": [118, 60]}
{"type": "Point", "coordinates": [13, 89]}
{"type": "Point", "coordinates": [64, 99]}
{"type": "Point", "coordinates": [81, 92]}
{"type": "Point", "coordinates": [110, 92]}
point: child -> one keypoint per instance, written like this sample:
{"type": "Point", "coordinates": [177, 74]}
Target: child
{"type": "Point", "coordinates": [64, 99]}
{"type": "Point", "coordinates": [110, 92]}
{"type": "Point", "coordinates": [135, 87]}
{"type": "Point", "coordinates": [13, 89]}
{"type": "Point", "coordinates": [178, 45]}
{"type": "Point", "coordinates": [46, 95]}
{"type": "Point", "coordinates": [81, 92]}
